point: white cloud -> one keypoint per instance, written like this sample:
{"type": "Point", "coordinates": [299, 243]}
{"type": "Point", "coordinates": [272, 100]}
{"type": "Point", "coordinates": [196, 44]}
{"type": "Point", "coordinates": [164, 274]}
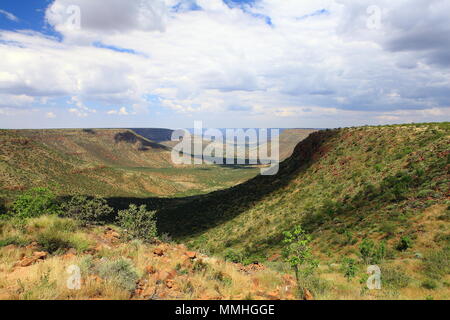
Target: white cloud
{"type": "Point", "coordinates": [80, 110]}
{"type": "Point", "coordinates": [318, 55]}
{"type": "Point", "coordinates": [9, 15]}
{"type": "Point", "coordinates": [121, 112]}
{"type": "Point", "coordinates": [50, 115]}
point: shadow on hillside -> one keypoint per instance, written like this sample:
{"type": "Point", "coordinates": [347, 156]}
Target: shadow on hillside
{"type": "Point", "coordinates": [132, 138]}
{"type": "Point", "coordinates": [189, 216]}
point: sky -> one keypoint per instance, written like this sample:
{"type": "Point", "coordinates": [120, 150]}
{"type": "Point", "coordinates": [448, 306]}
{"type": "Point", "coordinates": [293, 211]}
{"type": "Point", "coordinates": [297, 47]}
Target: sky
{"type": "Point", "coordinates": [228, 63]}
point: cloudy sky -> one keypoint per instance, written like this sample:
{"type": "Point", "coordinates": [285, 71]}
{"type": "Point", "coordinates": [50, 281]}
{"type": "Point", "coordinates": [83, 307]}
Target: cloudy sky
{"type": "Point", "coordinates": [230, 63]}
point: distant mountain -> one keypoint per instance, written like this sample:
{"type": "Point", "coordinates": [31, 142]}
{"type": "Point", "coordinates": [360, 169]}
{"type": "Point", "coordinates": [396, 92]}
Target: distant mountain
{"type": "Point", "coordinates": [105, 162]}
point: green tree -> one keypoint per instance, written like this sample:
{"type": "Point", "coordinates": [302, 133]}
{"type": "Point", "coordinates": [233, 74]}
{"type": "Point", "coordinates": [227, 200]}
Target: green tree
{"type": "Point", "coordinates": [367, 250]}
{"type": "Point", "coordinates": [371, 253]}
{"type": "Point", "coordinates": [92, 211]}
{"type": "Point", "coordinates": [35, 202]}
{"type": "Point", "coordinates": [138, 222]}
{"type": "Point", "coordinates": [349, 268]}
{"type": "Point", "coordinates": [404, 243]}
{"type": "Point", "coordinates": [298, 254]}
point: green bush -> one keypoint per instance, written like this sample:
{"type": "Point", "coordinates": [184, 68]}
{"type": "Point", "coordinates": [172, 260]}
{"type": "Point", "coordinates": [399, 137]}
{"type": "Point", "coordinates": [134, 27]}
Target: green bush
{"type": "Point", "coordinates": [298, 253]}
{"type": "Point", "coordinates": [17, 241]}
{"type": "Point", "coordinates": [425, 193]}
{"type": "Point", "coordinates": [53, 242]}
{"type": "Point", "coordinates": [88, 211]}
{"type": "Point", "coordinates": [429, 284]}
{"type": "Point", "coordinates": [34, 203]}
{"type": "Point", "coordinates": [349, 268]}
{"type": "Point", "coordinates": [436, 263]}
{"type": "Point", "coordinates": [120, 272]}
{"type": "Point", "coordinates": [233, 256]}
{"type": "Point", "coordinates": [2, 207]}
{"type": "Point", "coordinates": [389, 228]}
{"type": "Point", "coordinates": [370, 253]}
{"type": "Point", "coordinates": [404, 243]}
{"type": "Point", "coordinates": [138, 222]}
{"type": "Point", "coordinates": [394, 278]}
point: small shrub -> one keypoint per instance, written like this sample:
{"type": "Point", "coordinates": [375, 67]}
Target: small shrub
{"type": "Point", "coordinates": [13, 241]}
{"type": "Point", "coordinates": [222, 277]}
{"type": "Point", "coordinates": [436, 264]}
{"type": "Point", "coordinates": [349, 268]}
{"type": "Point", "coordinates": [165, 237]}
{"type": "Point", "coordinates": [53, 242]}
{"type": "Point", "coordinates": [370, 253]}
{"type": "Point", "coordinates": [404, 243]}
{"type": "Point", "coordinates": [200, 266]}
{"type": "Point", "coordinates": [425, 193]}
{"type": "Point", "coordinates": [2, 207]}
{"type": "Point", "coordinates": [366, 249]}
{"type": "Point", "coordinates": [429, 284]}
{"type": "Point", "coordinates": [34, 203]}
{"type": "Point", "coordinates": [89, 211]}
{"type": "Point", "coordinates": [394, 278]}
{"type": "Point", "coordinates": [138, 222]}
{"type": "Point", "coordinates": [253, 258]}
{"type": "Point", "coordinates": [317, 286]}
{"type": "Point", "coordinates": [120, 272]}
{"type": "Point", "coordinates": [298, 254]}
{"type": "Point", "coordinates": [233, 256]}
{"type": "Point", "coordinates": [389, 228]}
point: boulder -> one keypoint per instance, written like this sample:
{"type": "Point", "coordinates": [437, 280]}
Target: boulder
{"type": "Point", "coordinates": [307, 295]}
{"type": "Point", "coordinates": [150, 270]}
{"type": "Point", "coordinates": [26, 262]}
{"type": "Point", "coordinates": [169, 283]}
{"type": "Point", "coordinates": [40, 255]}
{"type": "Point", "coordinates": [191, 254]}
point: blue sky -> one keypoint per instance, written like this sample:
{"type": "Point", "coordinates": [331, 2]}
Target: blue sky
{"type": "Point", "coordinates": [30, 15]}
{"type": "Point", "coordinates": [230, 63]}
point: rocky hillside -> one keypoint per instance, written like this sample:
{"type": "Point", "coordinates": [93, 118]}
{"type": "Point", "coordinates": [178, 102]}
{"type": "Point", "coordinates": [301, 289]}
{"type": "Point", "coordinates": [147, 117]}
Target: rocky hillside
{"type": "Point", "coordinates": [388, 184]}
{"type": "Point", "coordinates": [38, 259]}
{"type": "Point", "coordinates": [105, 162]}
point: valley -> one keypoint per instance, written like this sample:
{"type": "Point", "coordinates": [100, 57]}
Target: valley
{"type": "Point", "coordinates": [364, 195]}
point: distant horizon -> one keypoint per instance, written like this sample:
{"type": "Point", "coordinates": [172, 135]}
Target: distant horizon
{"type": "Point", "coordinates": [220, 128]}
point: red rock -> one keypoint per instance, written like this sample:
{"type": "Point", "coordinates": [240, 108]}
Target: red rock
{"type": "Point", "coordinates": [172, 274]}
{"type": "Point", "coordinates": [40, 255]}
{"type": "Point", "coordinates": [273, 295]}
{"type": "Point", "coordinates": [307, 295]}
{"type": "Point", "coordinates": [26, 262]}
{"type": "Point", "coordinates": [191, 254]}
{"type": "Point", "coordinates": [114, 235]}
{"type": "Point", "coordinates": [161, 275]}
{"type": "Point", "coordinates": [32, 245]}
{"type": "Point", "coordinates": [150, 270]}
{"type": "Point", "coordinates": [169, 283]}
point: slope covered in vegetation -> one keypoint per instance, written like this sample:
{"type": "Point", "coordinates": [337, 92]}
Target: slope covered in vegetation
{"type": "Point", "coordinates": [349, 188]}
{"type": "Point", "coordinates": [362, 196]}
{"type": "Point", "coordinates": [41, 258]}
{"type": "Point", "coordinates": [106, 162]}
